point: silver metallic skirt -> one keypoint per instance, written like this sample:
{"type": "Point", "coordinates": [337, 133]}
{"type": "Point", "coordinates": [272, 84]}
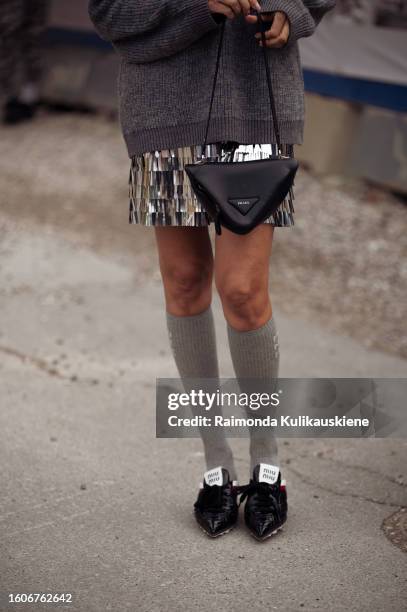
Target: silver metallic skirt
{"type": "Point", "coordinates": [160, 192]}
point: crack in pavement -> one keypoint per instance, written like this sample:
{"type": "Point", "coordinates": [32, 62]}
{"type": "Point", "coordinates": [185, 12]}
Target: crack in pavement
{"type": "Point", "coordinates": [309, 481]}
{"type": "Point", "coordinates": [42, 365]}
{"type": "Point", "coordinates": [39, 363]}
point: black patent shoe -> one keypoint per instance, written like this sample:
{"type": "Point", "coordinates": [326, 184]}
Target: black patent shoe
{"type": "Point", "coordinates": [265, 511]}
{"type": "Point", "coordinates": [216, 508]}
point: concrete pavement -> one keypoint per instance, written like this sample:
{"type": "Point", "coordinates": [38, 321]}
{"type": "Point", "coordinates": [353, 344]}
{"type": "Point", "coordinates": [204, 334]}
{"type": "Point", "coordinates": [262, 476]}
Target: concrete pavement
{"type": "Point", "coordinates": [93, 504]}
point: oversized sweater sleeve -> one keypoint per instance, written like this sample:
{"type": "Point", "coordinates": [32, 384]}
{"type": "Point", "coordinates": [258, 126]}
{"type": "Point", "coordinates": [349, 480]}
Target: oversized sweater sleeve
{"type": "Point", "coordinates": [146, 30]}
{"type": "Point", "coordinates": [304, 15]}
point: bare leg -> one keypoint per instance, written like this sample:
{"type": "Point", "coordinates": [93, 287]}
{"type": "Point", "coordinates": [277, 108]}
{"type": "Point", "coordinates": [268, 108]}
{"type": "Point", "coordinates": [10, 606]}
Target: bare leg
{"type": "Point", "coordinates": [242, 279]}
{"type": "Point", "coordinates": [186, 264]}
{"type": "Point", "coordinates": [242, 276]}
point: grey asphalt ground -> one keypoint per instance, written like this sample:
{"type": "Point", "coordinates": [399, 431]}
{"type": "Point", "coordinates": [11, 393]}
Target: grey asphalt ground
{"type": "Point", "coordinates": [91, 502]}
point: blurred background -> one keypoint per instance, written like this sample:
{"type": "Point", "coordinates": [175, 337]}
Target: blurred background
{"type": "Point", "coordinates": [66, 166]}
{"type": "Point", "coordinates": [82, 329]}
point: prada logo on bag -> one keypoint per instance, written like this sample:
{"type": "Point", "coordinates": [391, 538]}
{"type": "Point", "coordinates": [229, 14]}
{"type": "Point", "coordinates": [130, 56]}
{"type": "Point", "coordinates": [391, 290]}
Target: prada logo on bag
{"type": "Point", "coordinates": [243, 205]}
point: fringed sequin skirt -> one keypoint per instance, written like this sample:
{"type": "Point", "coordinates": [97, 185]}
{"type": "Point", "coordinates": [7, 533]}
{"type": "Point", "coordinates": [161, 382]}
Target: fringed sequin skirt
{"type": "Point", "coordinates": [161, 194]}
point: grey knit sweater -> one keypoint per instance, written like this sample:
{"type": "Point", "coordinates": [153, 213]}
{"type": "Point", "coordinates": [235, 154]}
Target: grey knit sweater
{"type": "Point", "coordinates": [168, 55]}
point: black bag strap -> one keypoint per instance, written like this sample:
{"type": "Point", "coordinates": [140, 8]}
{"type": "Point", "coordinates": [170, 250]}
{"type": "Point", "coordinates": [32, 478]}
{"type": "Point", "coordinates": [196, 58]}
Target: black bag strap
{"type": "Point", "coordinates": [263, 26]}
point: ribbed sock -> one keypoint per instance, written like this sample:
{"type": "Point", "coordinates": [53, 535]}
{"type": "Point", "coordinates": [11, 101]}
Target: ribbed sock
{"type": "Point", "coordinates": [193, 343]}
{"type": "Point", "coordinates": [255, 354]}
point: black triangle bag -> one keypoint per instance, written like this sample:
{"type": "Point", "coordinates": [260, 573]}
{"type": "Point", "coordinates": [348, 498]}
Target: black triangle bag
{"type": "Point", "coordinates": [242, 194]}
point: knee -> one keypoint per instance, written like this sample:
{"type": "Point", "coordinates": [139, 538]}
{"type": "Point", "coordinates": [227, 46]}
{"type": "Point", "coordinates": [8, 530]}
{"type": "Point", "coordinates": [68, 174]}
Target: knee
{"type": "Point", "coordinates": [245, 302]}
{"type": "Point", "coordinates": [188, 287]}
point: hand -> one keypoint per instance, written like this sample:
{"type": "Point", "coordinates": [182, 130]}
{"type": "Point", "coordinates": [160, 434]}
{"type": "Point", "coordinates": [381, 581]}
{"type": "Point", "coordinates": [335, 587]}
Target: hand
{"type": "Point", "coordinates": [233, 8]}
{"type": "Point", "coordinates": [277, 35]}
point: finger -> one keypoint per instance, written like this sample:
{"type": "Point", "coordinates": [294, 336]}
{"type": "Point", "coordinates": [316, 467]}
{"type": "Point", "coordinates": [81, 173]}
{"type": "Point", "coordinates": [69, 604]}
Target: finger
{"type": "Point", "coordinates": [274, 31]}
{"type": "Point", "coordinates": [255, 5]}
{"type": "Point", "coordinates": [225, 10]}
{"type": "Point", "coordinates": [245, 6]}
{"type": "Point", "coordinates": [281, 40]}
{"type": "Point", "coordinates": [276, 27]}
{"type": "Point", "coordinates": [234, 5]}
{"type": "Point", "coordinates": [278, 23]}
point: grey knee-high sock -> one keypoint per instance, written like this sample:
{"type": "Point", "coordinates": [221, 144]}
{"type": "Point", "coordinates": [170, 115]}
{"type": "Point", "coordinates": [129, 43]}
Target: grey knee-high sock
{"type": "Point", "coordinates": [193, 343]}
{"type": "Point", "coordinates": [255, 354]}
